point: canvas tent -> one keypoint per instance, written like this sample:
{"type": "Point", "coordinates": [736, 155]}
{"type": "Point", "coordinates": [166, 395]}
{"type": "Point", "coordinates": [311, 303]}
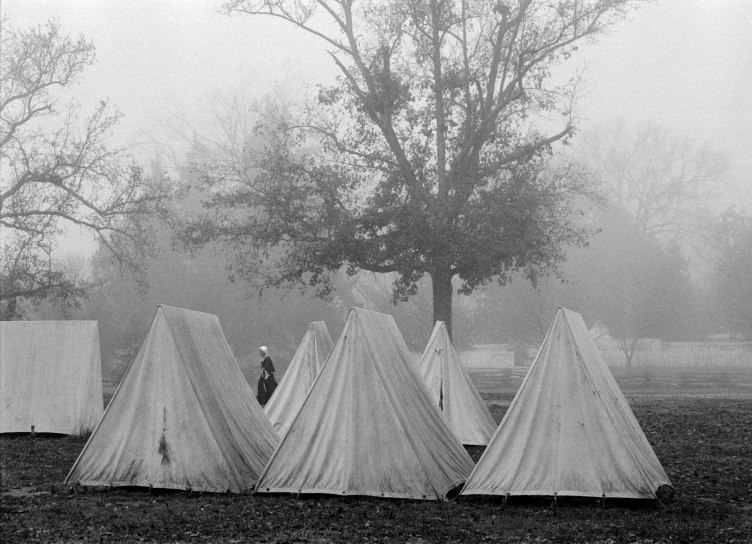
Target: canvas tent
{"type": "Point", "coordinates": [368, 425]}
{"type": "Point", "coordinates": [50, 377]}
{"type": "Point", "coordinates": [183, 416]}
{"type": "Point", "coordinates": [452, 390]}
{"type": "Point", "coordinates": [304, 367]}
{"type": "Point", "coordinates": [569, 430]}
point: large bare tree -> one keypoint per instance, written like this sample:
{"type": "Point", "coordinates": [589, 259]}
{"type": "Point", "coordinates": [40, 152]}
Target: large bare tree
{"type": "Point", "coordinates": [58, 170]}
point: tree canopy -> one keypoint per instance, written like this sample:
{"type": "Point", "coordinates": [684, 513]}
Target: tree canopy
{"type": "Point", "coordinates": [425, 158]}
{"type": "Point", "coordinates": [58, 169]}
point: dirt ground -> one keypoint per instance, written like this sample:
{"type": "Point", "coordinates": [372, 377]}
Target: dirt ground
{"type": "Point", "coordinates": [703, 441]}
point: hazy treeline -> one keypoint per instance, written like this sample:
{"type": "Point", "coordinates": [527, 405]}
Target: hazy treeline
{"type": "Point", "coordinates": [636, 285]}
{"type": "Point", "coordinates": [667, 275]}
{"type": "Point", "coordinates": [626, 224]}
{"type": "Point", "coordinates": [672, 276]}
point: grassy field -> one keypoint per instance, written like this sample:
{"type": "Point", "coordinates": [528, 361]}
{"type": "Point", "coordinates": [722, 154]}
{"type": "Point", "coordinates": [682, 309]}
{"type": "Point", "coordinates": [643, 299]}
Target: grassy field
{"type": "Point", "coordinates": [704, 443]}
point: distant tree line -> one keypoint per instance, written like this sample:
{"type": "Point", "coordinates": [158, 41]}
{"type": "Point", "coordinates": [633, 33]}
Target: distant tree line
{"type": "Point", "coordinates": [270, 228]}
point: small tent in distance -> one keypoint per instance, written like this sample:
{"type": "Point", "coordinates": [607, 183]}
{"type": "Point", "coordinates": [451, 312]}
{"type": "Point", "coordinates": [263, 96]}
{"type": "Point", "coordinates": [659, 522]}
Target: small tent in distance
{"type": "Point", "coordinates": [569, 430]}
{"type": "Point", "coordinates": [50, 377]}
{"type": "Point", "coordinates": [297, 381]}
{"type": "Point", "coordinates": [183, 416]}
{"type": "Point", "coordinates": [453, 392]}
{"type": "Point", "coordinates": [368, 425]}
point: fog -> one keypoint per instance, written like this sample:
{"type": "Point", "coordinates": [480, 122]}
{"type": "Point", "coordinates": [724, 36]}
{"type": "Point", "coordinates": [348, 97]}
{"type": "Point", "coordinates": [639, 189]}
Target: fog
{"type": "Point", "coordinates": [682, 65]}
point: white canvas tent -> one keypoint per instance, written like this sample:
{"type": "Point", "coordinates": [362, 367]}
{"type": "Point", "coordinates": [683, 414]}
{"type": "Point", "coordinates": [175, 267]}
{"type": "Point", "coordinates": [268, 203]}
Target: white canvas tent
{"type": "Point", "coordinates": [297, 381]}
{"type": "Point", "coordinates": [368, 425]}
{"type": "Point", "coordinates": [452, 390]}
{"type": "Point", "coordinates": [569, 430]}
{"type": "Point", "coordinates": [183, 416]}
{"type": "Point", "coordinates": [50, 377]}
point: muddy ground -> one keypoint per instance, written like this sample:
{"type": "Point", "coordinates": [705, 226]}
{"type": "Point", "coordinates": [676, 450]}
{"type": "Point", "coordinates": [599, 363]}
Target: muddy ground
{"type": "Point", "coordinates": [704, 442]}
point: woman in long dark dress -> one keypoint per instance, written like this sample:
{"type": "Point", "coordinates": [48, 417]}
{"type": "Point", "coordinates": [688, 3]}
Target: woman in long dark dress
{"type": "Point", "coordinates": [266, 384]}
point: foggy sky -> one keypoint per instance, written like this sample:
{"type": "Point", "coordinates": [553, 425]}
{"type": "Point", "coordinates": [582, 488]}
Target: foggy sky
{"type": "Point", "coordinates": [682, 64]}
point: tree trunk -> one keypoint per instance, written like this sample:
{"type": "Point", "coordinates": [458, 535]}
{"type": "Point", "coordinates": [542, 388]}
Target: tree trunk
{"type": "Point", "coordinates": [442, 298]}
{"type": "Point", "coordinates": [438, 83]}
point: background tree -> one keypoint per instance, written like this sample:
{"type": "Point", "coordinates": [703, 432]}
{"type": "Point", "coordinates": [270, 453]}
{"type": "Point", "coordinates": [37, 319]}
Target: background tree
{"type": "Point", "coordinates": [374, 292]}
{"type": "Point", "coordinates": [732, 273]}
{"type": "Point", "coordinates": [125, 306]}
{"type": "Point", "coordinates": [424, 158]}
{"type": "Point", "coordinates": [519, 313]}
{"type": "Point", "coordinates": [633, 285]}
{"type": "Point", "coordinates": [58, 170]}
{"type": "Point", "coordinates": [666, 183]}
{"type": "Point", "coordinates": [660, 190]}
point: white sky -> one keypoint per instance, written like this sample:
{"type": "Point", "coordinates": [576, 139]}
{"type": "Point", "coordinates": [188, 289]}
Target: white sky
{"type": "Point", "coordinates": [683, 64]}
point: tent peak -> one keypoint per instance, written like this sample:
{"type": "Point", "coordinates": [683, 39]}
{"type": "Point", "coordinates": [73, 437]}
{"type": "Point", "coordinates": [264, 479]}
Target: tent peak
{"type": "Point", "coordinates": [167, 307]}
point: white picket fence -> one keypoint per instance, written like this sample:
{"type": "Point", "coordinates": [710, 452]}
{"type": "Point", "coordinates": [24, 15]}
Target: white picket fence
{"type": "Point", "coordinates": [488, 356]}
{"type": "Point", "coordinates": [650, 353]}
{"type": "Point", "coordinates": [684, 354]}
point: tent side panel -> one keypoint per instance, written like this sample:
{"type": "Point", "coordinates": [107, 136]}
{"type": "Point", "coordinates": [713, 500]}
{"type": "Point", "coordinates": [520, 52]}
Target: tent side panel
{"type": "Point", "coordinates": [240, 429]}
{"type": "Point", "coordinates": [50, 374]}
{"type": "Point", "coordinates": [127, 446]}
{"type": "Point", "coordinates": [305, 366]}
{"type": "Point", "coordinates": [616, 405]}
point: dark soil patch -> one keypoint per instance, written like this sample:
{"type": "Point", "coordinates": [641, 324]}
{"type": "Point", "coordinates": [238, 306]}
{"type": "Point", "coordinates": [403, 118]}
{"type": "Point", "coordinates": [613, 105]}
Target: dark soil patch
{"type": "Point", "coordinates": [705, 446]}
